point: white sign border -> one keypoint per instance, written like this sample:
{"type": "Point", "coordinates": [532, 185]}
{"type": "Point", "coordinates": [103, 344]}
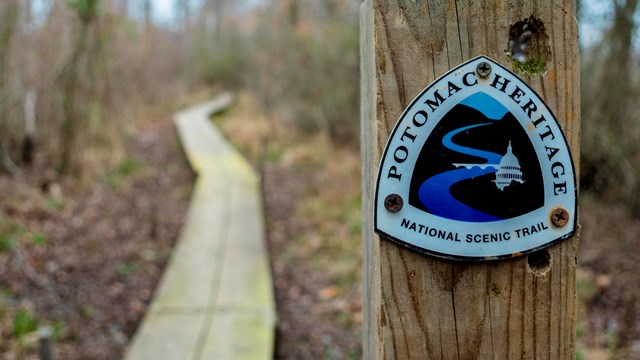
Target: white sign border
{"type": "Point", "coordinates": [452, 241]}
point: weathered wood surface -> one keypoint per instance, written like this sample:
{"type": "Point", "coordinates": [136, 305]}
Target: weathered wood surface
{"type": "Point", "coordinates": [216, 299]}
{"type": "Point", "coordinates": [420, 307]}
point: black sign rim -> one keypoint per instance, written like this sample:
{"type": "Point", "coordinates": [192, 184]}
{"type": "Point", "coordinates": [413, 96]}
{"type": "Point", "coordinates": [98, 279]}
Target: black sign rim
{"type": "Point", "coordinates": [387, 236]}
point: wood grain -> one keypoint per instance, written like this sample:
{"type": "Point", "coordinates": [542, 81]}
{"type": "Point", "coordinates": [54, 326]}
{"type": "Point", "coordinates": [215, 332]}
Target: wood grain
{"type": "Point", "coordinates": [421, 307]}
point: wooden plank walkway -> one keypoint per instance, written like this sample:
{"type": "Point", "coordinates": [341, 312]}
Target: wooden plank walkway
{"type": "Point", "coordinates": [216, 299]}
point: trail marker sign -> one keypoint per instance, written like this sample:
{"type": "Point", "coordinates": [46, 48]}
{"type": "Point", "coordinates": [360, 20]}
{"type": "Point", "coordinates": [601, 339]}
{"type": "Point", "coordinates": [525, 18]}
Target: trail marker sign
{"type": "Point", "coordinates": [476, 168]}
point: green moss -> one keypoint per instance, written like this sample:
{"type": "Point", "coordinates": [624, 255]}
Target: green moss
{"type": "Point", "coordinates": [126, 268]}
{"type": "Point", "coordinates": [39, 239]}
{"type": "Point", "coordinates": [59, 327]}
{"type": "Point", "coordinates": [54, 204]}
{"type": "Point", "coordinates": [128, 167]}
{"type": "Point", "coordinates": [23, 323]}
{"type": "Point", "coordinates": [10, 234]}
{"type": "Point", "coordinates": [586, 290]}
{"type": "Point", "coordinates": [531, 67]}
{"type": "Point", "coordinates": [528, 40]}
{"type": "Point", "coordinates": [580, 330]}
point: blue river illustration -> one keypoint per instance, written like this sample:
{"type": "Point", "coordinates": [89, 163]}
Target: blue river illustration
{"type": "Point", "coordinates": [435, 193]}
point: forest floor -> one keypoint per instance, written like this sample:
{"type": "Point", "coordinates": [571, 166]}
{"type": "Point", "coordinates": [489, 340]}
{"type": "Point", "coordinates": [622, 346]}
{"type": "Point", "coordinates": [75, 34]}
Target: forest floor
{"type": "Point", "coordinates": [85, 260]}
{"type": "Point", "coordinates": [608, 279]}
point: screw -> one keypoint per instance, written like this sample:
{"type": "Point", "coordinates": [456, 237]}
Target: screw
{"type": "Point", "coordinates": [483, 69]}
{"type": "Point", "coordinates": [559, 217]}
{"type": "Point", "coordinates": [393, 203]}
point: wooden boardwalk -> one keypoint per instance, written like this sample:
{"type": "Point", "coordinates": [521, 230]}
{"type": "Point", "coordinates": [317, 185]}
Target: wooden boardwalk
{"type": "Point", "coordinates": [216, 299]}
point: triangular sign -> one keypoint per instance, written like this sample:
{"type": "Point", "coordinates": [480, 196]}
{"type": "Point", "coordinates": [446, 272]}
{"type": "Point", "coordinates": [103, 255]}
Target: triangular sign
{"type": "Point", "coordinates": [476, 168]}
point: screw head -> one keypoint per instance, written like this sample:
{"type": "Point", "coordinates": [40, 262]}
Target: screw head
{"type": "Point", "coordinates": [559, 217]}
{"type": "Point", "coordinates": [483, 69]}
{"type": "Point", "coordinates": [393, 203]}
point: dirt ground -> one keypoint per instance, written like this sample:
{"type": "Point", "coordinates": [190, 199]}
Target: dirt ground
{"type": "Point", "coordinates": [608, 282]}
{"type": "Point", "coordinates": [85, 261]}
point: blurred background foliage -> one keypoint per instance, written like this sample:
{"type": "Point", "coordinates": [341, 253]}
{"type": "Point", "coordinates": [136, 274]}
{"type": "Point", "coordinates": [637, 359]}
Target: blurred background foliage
{"type": "Point", "coordinates": [76, 75]}
{"type": "Point", "coordinates": [91, 65]}
{"type": "Point", "coordinates": [610, 166]}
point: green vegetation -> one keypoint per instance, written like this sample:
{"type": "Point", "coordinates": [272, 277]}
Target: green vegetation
{"type": "Point", "coordinates": [610, 152]}
{"type": "Point", "coordinates": [39, 239]}
{"type": "Point", "coordinates": [87, 311]}
{"type": "Point", "coordinates": [19, 325]}
{"type": "Point", "coordinates": [7, 243]}
{"type": "Point", "coordinates": [59, 327]}
{"type": "Point", "coordinates": [55, 203]}
{"type": "Point", "coordinates": [127, 167]}
{"type": "Point", "coordinates": [87, 9]}
{"type": "Point", "coordinates": [10, 233]}
{"type": "Point", "coordinates": [531, 68]}
{"type": "Point", "coordinates": [126, 268]}
{"type": "Point", "coordinates": [23, 323]}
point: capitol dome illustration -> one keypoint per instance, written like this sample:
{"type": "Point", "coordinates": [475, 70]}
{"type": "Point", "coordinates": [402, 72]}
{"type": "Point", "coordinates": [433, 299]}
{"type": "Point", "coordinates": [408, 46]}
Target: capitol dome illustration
{"type": "Point", "coordinates": [508, 170]}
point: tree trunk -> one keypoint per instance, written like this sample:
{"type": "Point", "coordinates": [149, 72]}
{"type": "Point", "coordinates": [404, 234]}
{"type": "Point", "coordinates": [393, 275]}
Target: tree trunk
{"type": "Point", "coordinates": [617, 77]}
{"type": "Point", "coordinates": [10, 13]}
{"type": "Point", "coordinates": [72, 108]}
{"type": "Point", "coordinates": [147, 9]}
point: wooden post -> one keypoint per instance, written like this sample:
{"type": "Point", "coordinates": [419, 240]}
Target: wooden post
{"type": "Point", "coordinates": [46, 348]}
{"type": "Point", "coordinates": [421, 307]}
